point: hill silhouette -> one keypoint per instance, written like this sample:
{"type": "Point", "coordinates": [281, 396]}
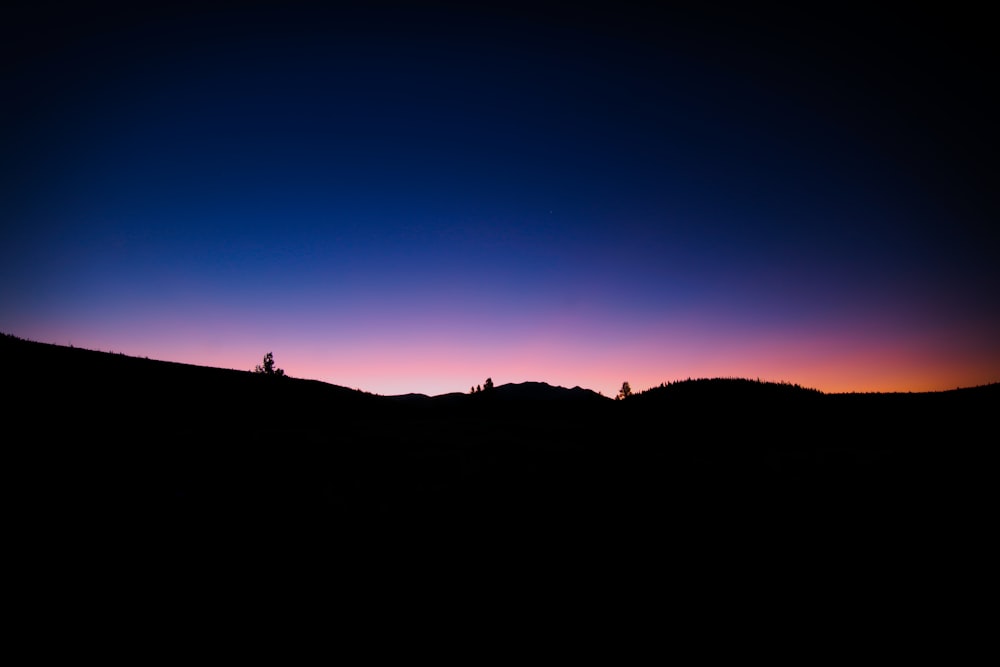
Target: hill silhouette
{"type": "Point", "coordinates": [144, 442]}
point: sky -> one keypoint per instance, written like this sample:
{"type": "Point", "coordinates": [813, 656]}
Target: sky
{"type": "Point", "coordinates": [413, 197]}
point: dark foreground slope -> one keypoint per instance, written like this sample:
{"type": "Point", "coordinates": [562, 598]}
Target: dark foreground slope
{"type": "Point", "coordinates": [133, 444]}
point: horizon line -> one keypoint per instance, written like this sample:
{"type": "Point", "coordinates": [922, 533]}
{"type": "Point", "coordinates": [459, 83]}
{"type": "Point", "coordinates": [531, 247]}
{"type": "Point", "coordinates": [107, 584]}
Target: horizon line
{"type": "Point", "coordinates": [462, 392]}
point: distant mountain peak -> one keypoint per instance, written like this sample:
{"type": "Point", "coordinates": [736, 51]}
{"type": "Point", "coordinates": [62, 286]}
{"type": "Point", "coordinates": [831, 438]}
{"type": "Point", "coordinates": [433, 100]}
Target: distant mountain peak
{"type": "Point", "coordinates": [537, 391]}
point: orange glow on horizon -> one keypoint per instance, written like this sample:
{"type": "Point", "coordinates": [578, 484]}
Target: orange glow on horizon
{"type": "Point", "coordinates": [836, 364]}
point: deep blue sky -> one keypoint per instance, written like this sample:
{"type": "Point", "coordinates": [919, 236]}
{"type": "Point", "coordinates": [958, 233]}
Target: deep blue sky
{"type": "Point", "coordinates": [415, 196]}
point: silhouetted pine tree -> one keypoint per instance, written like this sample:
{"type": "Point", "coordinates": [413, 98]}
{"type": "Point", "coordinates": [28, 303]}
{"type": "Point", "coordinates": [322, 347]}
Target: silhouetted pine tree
{"type": "Point", "coordinates": [625, 391]}
{"type": "Point", "coordinates": [268, 367]}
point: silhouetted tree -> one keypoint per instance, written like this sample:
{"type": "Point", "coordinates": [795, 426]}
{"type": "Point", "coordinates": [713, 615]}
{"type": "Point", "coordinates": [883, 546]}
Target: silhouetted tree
{"type": "Point", "coordinates": [268, 367]}
{"type": "Point", "coordinates": [488, 385]}
{"type": "Point", "coordinates": [625, 391]}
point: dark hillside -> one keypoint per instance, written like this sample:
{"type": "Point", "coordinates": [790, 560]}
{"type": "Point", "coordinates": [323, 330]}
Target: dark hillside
{"type": "Point", "coordinates": [141, 443]}
{"type": "Point", "coordinates": [744, 408]}
{"type": "Point", "coordinates": [130, 432]}
{"type": "Point", "coordinates": [883, 448]}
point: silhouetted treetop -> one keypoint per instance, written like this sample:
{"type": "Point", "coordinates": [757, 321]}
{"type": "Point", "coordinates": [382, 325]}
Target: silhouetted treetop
{"type": "Point", "coordinates": [625, 391]}
{"type": "Point", "coordinates": [268, 367]}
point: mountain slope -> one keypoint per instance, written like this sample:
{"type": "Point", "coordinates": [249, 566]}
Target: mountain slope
{"type": "Point", "coordinates": [102, 434]}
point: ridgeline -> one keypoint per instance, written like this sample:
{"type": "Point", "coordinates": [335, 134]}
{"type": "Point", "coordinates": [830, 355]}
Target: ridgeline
{"type": "Point", "coordinates": [118, 436]}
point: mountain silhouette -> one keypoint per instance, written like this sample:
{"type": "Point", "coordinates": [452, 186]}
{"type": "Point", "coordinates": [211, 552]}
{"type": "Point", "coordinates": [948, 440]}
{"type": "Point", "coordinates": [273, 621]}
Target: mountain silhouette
{"type": "Point", "coordinates": [139, 442]}
{"type": "Point", "coordinates": [542, 391]}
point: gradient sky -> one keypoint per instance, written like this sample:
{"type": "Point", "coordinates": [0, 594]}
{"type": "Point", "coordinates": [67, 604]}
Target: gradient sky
{"type": "Point", "coordinates": [411, 197]}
